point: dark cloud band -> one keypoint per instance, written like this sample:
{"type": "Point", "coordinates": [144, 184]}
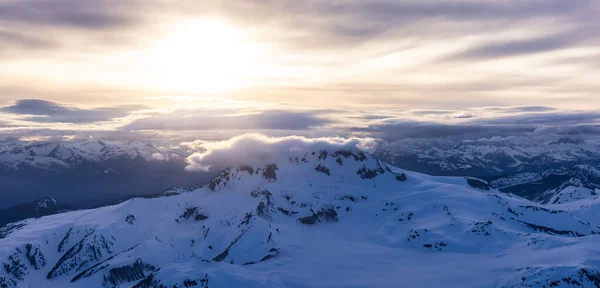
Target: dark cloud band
{"type": "Point", "coordinates": [202, 119]}
{"type": "Point", "coordinates": [42, 111]}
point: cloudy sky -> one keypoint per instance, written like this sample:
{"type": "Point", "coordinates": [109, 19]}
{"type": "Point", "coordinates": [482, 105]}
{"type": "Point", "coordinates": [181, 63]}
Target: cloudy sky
{"type": "Point", "coordinates": [131, 69]}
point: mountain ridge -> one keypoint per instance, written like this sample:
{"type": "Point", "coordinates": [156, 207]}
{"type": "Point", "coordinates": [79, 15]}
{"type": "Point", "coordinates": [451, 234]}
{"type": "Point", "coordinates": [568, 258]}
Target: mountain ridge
{"type": "Point", "coordinates": [273, 225]}
{"type": "Point", "coordinates": [92, 173]}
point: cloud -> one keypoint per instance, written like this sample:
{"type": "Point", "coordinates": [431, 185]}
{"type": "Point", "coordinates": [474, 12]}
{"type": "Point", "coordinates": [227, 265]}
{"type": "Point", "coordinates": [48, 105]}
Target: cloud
{"type": "Point", "coordinates": [464, 116]}
{"type": "Point", "coordinates": [432, 112]}
{"type": "Point", "coordinates": [389, 50]}
{"type": "Point", "coordinates": [258, 149]}
{"type": "Point", "coordinates": [375, 16]}
{"type": "Point", "coordinates": [547, 118]}
{"type": "Point", "coordinates": [165, 157]}
{"type": "Point", "coordinates": [569, 130]}
{"type": "Point", "coordinates": [322, 24]}
{"type": "Point", "coordinates": [496, 139]}
{"type": "Point", "coordinates": [226, 119]}
{"type": "Point", "coordinates": [485, 124]}
{"type": "Point", "coordinates": [218, 120]}
{"type": "Point", "coordinates": [428, 130]}
{"type": "Point", "coordinates": [76, 14]}
{"type": "Point", "coordinates": [43, 111]}
{"type": "Point", "coordinates": [518, 109]}
{"type": "Point", "coordinates": [496, 111]}
{"type": "Point", "coordinates": [521, 47]}
{"type": "Point", "coordinates": [209, 120]}
{"type": "Point", "coordinates": [77, 134]}
{"type": "Point", "coordinates": [49, 30]}
{"type": "Point", "coordinates": [10, 39]}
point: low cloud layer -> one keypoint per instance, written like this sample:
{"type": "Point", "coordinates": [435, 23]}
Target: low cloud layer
{"type": "Point", "coordinates": [43, 111]}
{"type": "Point", "coordinates": [258, 149]}
{"type": "Point", "coordinates": [225, 119]}
{"type": "Point", "coordinates": [417, 130]}
{"type": "Point", "coordinates": [217, 120]}
{"type": "Point", "coordinates": [99, 14]}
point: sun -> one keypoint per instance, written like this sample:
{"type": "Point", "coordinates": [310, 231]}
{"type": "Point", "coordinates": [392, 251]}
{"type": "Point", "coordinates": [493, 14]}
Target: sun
{"type": "Point", "coordinates": [204, 56]}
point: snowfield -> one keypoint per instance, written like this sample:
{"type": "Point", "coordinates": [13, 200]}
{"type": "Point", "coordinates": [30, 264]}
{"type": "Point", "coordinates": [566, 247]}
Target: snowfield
{"type": "Point", "coordinates": [320, 219]}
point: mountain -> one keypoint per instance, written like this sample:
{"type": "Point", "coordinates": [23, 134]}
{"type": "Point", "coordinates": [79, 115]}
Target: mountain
{"type": "Point", "coordinates": [22, 155]}
{"type": "Point", "coordinates": [555, 186]}
{"type": "Point", "coordinates": [489, 159]}
{"type": "Point", "coordinates": [90, 174]}
{"type": "Point", "coordinates": [320, 219]}
{"type": "Point", "coordinates": [529, 169]}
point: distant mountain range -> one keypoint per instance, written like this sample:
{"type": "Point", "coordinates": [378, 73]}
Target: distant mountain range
{"type": "Point", "coordinates": [97, 173]}
{"type": "Point", "coordinates": [90, 174]}
{"type": "Point", "coordinates": [554, 186]}
{"type": "Point", "coordinates": [557, 171]}
{"type": "Point", "coordinates": [54, 156]}
{"type": "Point", "coordinates": [316, 219]}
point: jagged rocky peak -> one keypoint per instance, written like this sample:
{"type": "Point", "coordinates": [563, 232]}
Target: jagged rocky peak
{"type": "Point", "coordinates": [323, 162]}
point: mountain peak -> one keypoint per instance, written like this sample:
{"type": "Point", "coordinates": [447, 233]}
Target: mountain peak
{"type": "Point", "coordinates": [316, 163]}
{"type": "Point", "coordinates": [259, 226]}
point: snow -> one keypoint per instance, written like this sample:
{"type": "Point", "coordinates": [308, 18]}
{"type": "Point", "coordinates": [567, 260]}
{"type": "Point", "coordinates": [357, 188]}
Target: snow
{"type": "Point", "coordinates": [569, 194]}
{"type": "Point", "coordinates": [67, 155]}
{"type": "Point", "coordinates": [371, 228]}
{"type": "Point", "coordinates": [484, 156]}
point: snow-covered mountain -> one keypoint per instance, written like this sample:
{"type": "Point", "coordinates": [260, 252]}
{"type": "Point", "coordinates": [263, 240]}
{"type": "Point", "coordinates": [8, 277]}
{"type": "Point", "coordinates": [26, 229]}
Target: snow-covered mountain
{"type": "Point", "coordinates": [554, 186]}
{"type": "Point", "coordinates": [554, 171]}
{"type": "Point", "coordinates": [53, 156]}
{"type": "Point", "coordinates": [490, 159]}
{"type": "Point", "coordinates": [90, 174]}
{"type": "Point", "coordinates": [323, 219]}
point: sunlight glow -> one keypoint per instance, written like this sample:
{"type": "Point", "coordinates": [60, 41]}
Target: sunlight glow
{"type": "Point", "coordinates": [205, 56]}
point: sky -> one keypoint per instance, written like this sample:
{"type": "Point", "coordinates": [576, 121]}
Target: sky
{"type": "Point", "coordinates": [390, 69]}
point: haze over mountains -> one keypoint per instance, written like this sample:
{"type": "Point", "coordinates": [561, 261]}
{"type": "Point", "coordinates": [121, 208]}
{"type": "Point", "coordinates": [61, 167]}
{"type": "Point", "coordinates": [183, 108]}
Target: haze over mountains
{"type": "Point", "coordinates": [83, 174]}
{"type": "Point", "coordinates": [90, 174]}
{"type": "Point", "coordinates": [555, 171]}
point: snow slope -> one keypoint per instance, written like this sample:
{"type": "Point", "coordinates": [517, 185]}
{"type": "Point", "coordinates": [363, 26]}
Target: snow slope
{"type": "Point", "coordinates": [324, 219]}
